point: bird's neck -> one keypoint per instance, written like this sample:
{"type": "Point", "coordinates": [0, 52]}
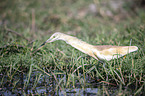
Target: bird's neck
{"type": "Point", "coordinates": [75, 41]}
{"type": "Point", "coordinates": [78, 44]}
{"type": "Point", "coordinates": [81, 45]}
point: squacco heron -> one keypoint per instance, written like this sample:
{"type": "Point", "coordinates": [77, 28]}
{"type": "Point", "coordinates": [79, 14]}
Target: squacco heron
{"type": "Point", "coordinates": [99, 52]}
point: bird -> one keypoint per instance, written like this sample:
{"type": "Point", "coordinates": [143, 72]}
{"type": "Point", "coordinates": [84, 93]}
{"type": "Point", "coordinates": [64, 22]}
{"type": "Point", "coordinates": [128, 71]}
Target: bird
{"type": "Point", "coordinates": [99, 52]}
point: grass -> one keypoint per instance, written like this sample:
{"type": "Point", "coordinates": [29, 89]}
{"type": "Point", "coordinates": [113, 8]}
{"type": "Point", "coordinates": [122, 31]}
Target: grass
{"type": "Point", "coordinates": [58, 66]}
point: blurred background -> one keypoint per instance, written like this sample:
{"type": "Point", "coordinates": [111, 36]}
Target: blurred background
{"type": "Point", "coordinates": [35, 18]}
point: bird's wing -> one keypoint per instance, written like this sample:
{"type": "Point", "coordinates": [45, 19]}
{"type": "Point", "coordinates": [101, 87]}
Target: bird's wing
{"type": "Point", "coordinates": [112, 50]}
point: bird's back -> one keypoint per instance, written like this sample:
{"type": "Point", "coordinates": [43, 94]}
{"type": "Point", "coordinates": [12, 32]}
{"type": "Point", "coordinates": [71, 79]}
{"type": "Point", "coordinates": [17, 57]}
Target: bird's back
{"type": "Point", "coordinates": [109, 52]}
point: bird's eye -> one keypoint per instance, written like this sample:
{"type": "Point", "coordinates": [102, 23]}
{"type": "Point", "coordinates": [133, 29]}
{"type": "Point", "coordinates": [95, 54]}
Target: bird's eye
{"type": "Point", "coordinates": [54, 36]}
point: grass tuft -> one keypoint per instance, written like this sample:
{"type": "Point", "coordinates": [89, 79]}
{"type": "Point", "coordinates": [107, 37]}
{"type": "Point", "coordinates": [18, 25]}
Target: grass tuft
{"type": "Point", "coordinates": [24, 25]}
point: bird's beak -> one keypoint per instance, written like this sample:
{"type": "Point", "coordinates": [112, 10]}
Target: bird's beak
{"type": "Point", "coordinates": [48, 41]}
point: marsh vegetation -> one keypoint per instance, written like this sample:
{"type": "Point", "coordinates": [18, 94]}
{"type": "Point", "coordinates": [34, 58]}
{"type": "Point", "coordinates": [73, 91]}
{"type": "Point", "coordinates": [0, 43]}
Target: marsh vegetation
{"type": "Point", "coordinates": [58, 68]}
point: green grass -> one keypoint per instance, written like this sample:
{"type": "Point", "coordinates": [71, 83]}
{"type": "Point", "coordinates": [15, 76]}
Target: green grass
{"type": "Point", "coordinates": [58, 65]}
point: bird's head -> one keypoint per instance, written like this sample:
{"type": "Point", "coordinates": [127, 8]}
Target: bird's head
{"type": "Point", "coordinates": [54, 37]}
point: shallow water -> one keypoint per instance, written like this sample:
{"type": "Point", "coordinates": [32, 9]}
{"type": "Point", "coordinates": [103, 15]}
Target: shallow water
{"type": "Point", "coordinates": [46, 85]}
{"type": "Point", "coordinates": [42, 90]}
{"type": "Point", "coordinates": [79, 92]}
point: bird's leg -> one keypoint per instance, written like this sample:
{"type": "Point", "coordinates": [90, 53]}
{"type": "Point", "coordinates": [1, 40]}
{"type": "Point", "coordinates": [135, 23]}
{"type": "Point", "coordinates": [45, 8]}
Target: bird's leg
{"type": "Point", "coordinates": [104, 63]}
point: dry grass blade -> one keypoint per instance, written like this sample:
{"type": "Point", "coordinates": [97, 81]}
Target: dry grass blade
{"type": "Point", "coordinates": [56, 80]}
{"type": "Point", "coordinates": [12, 31]}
